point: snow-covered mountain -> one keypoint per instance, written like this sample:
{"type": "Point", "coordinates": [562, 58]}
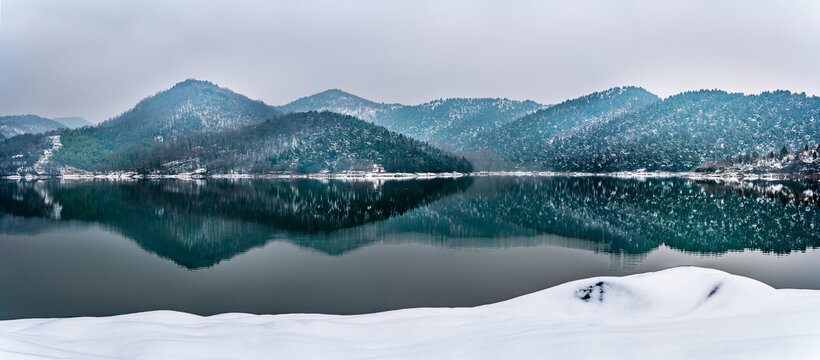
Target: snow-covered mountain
{"type": "Point", "coordinates": [688, 129]}
{"type": "Point", "coordinates": [620, 129]}
{"type": "Point", "coordinates": [14, 125]}
{"type": "Point", "coordinates": [454, 123]}
{"type": "Point", "coordinates": [341, 102]}
{"type": "Point", "coordinates": [521, 140]}
{"type": "Point", "coordinates": [449, 123]}
{"type": "Point", "coordinates": [629, 129]}
{"type": "Point", "coordinates": [188, 107]}
{"type": "Point", "coordinates": [191, 105]}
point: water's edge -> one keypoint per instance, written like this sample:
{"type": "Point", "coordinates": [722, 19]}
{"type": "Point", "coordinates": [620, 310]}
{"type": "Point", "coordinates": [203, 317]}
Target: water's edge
{"type": "Point", "coordinates": [727, 176]}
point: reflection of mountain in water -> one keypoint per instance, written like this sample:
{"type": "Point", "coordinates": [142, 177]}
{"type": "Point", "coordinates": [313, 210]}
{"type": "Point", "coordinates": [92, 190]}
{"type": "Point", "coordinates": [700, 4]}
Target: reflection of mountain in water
{"type": "Point", "coordinates": [198, 224]}
{"type": "Point", "coordinates": [627, 215]}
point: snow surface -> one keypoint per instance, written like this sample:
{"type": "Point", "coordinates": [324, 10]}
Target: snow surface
{"type": "Point", "coordinates": [680, 313]}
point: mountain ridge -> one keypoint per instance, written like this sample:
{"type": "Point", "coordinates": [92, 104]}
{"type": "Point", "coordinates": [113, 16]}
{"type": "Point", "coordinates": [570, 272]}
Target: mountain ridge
{"type": "Point", "coordinates": [619, 129]}
{"type": "Point", "coordinates": [13, 125]}
{"type": "Point", "coordinates": [449, 123]}
{"type": "Point", "coordinates": [521, 142]}
{"type": "Point", "coordinates": [198, 126]}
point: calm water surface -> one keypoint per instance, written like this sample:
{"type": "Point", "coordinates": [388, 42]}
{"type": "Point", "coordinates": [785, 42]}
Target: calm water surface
{"type": "Point", "coordinates": [280, 246]}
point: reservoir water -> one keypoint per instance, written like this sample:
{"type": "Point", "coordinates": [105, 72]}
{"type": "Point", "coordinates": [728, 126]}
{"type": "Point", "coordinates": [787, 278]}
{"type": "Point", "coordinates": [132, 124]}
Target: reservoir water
{"type": "Point", "coordinates": [86, 248]}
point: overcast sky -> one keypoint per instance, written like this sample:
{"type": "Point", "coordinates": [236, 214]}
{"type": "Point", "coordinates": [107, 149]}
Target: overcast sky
{"type": "Point", "coordinates": [96, 59]}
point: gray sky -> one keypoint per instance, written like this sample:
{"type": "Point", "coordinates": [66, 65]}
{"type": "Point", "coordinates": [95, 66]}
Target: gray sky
{"type": "Point", "coordinates": [96, 59]}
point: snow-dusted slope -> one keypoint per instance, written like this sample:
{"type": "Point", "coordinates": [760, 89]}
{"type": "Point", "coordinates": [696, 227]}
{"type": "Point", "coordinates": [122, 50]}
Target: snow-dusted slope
{"type": "Point", "coordinates": [681, 313]}
{"type": "Point", "coordinates": [805, 161]}
{"type": "Point", "coordinates": [341, 102]}
{"type": "Point", "coordinates": [451, 123]}
{"type": "Point", "coordinates": [14, 125]}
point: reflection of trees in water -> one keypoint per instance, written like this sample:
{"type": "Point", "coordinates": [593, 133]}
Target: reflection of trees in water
{"type": "Point", "coordinates": [198, 224]}
{"type": "Point", "coordinates": [797, 192]}
{"type": "Point", "coordinates": [630, 216]}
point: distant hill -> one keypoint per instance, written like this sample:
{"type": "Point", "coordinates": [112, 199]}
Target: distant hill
{"type": "Point", "coordinates": [14, 125]}
{"type": "Point", "coordinates": [522, 142]}
{"type": "Point", "coordinates": [338, 101]}
{"type": "Point", "coordinates": [454, 123]}
{"type": "Point", "coordinates": [73, 122]}
{"type": "Point", "coordinates": [450, 123]}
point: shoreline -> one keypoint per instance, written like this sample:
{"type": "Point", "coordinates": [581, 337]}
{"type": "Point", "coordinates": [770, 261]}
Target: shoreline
{"type": "Point", "coordinates": [730, 176]}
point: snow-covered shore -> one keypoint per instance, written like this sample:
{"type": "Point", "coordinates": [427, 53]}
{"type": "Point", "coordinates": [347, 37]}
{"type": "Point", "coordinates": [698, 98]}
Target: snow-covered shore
{"type": "Point", "coordinates": [725, 176]}
{"type": "Point", "coordinates": [680, 313]}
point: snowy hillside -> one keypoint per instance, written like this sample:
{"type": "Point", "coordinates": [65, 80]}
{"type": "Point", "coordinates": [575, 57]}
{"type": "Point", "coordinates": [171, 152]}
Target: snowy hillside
{"type": "Point", "coordinates": [192, 105]}
{"type": "Point", "coordinates": [450, 123]}
{"type": "Point", "coordinates": [806, 161]}
{"type": "Point", "coordinates": [20, 154]}
{"type": "Point", "coordinates": [454, 123]}
{"type": "Point", "coordinates": [686, 130]}
{"type": "Point", "coordinates": [198, 126]}
{"type": "Point", "coordinates": [680, 313]}
{"type": "Point", "coordinates": [620, 129]}
{"type": "Point", "coordinates": [338, 101]}
{"type": "Point", "coordinates": [14, 125]}
{"type": "Point", "coordinates": [309, 142]}
{"type": "Point", "coordinates": [521, 142]}
{"type": "Point", "coordinates": [188, 107]}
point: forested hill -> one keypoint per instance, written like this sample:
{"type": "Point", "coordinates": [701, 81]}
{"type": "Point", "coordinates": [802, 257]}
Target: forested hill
{"type": "Point", "coordinates": [676, 134]}
{"type": "Point", "coordinates": [521, 142]}
{"type": "Point", "coordinates": [686, 130]}
{"type": "Point", "coordinates": [191, 105]}
{"type": "Point", "coordinates": [197, 125]}
{"type": "Point", "coordinates": [450, 123]}
{"type": "Point", "coordinates": [454, 123]}
{"type": "Point", "coordinates": [310, 142]}
{"type": "Point", "coordinates": [188, 107]}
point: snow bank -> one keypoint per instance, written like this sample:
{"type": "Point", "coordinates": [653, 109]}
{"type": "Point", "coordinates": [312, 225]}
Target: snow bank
{"type": "Point", "coordinates": [680, 313]}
